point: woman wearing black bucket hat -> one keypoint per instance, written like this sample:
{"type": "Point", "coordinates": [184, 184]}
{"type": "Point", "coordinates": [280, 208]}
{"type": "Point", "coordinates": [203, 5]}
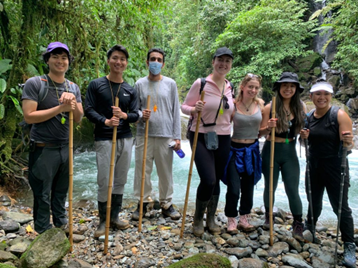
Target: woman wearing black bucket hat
{"type": "Point", "coordinates": [290, 113]}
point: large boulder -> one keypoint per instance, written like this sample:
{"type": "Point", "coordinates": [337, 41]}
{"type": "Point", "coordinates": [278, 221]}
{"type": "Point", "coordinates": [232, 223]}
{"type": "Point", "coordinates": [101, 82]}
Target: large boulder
{"type": "Point", "coordinates": [203, 260]}
{"type": "Point", "coordinates": [47, 249]}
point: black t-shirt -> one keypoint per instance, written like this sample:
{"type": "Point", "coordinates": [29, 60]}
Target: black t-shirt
{"type": "Point", "coordinates": [99, 99]}
{"type": "Point", "coordinates": [52, 130]}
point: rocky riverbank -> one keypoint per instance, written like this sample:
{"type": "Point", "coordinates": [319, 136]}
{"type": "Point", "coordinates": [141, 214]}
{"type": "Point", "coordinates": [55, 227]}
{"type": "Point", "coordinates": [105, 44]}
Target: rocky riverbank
{"type": "Point", "coordinates": [159, 244]}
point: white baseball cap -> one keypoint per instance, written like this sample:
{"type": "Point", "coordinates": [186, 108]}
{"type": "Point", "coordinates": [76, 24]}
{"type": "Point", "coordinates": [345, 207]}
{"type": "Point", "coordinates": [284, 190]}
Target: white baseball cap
{"type": "Point", "coordinates": [322, 86]}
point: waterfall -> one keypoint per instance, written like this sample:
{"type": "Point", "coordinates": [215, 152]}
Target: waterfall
{"type": "Point", "coordinates": [322, 36]}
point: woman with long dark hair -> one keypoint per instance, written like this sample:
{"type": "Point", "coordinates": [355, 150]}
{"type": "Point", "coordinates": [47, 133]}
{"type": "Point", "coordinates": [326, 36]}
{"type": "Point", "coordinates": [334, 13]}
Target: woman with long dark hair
{"type": "Point", "coordinates": [290, 112]}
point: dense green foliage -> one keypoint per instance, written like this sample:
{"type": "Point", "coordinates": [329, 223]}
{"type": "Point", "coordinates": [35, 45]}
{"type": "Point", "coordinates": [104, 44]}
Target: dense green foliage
{"type": "Point", "coordinates": [266, 37]}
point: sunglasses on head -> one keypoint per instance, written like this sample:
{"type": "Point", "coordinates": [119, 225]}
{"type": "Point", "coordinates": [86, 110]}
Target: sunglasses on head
{"type": "Point", "coordinates": [225, 103]}
{"type": "Point", "coordinates": [251, 75]}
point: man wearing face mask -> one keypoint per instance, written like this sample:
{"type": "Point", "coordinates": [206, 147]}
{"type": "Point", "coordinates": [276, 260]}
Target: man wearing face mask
{"type": "Point", "coordinates": [164, 127]}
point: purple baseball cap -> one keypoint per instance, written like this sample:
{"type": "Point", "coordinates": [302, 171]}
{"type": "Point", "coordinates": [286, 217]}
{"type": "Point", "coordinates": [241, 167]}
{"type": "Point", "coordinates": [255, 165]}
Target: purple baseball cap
{"type": "Point", "coordinates": [55, 45]}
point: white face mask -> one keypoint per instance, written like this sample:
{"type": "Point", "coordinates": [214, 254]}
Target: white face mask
{"type": "Point", "coordinates": [155, 67]}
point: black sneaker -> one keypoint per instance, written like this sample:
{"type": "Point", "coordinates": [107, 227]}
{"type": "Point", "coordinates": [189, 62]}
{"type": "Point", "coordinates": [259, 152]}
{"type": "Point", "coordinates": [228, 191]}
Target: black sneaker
{"type": "Point", "coordinates": [171, 212]}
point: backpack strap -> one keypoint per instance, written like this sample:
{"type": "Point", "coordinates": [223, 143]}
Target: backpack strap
{"type": "Point", "coordinates": [43, 89]}
{"type": "Point", "coordinates": [332, 121]}
{"type": "Point", "coordinates": [202, 85]}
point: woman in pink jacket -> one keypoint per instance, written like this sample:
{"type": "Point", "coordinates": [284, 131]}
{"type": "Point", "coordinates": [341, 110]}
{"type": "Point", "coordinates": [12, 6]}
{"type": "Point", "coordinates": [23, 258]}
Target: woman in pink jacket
{"type": "Point", "coordinates": [213, 145]}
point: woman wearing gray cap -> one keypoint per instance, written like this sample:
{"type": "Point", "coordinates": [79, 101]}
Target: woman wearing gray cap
{"type": "Point", "coordinates": [328, 130]}
{"type": "Point", "coordinates": [211, 154]}
{"type": "Point", "coordinates": [290, 113]}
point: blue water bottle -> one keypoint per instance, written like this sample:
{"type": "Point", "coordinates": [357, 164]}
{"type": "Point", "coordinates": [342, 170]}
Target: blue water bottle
{"type": "Point", "coordinates": [179, 152]}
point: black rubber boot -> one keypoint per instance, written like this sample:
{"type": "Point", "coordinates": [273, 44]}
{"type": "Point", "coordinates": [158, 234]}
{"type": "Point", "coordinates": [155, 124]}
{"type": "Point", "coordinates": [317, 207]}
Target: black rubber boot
{"type": "Point", "coordinates": [210, 216]}
{"type": "Point", "coordinates": [116, 207]}
{"type": "Point", "coordinates": [198, 226]}
{"type": "Point", "coordinates": [102, 206]}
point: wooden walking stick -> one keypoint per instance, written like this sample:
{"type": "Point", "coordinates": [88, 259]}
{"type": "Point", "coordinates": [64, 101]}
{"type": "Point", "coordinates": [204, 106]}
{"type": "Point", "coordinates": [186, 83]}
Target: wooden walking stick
{"type": "Point", "coordinates": [191, 166]}
{"type": "Point", "coordinates": [110, 184]}
{"type": "Point", "coordinates": [273, 109]}
{"type": "Point", "coordinates": [143, 169]}
{"type": "Point", "coordinates": [70, 186]}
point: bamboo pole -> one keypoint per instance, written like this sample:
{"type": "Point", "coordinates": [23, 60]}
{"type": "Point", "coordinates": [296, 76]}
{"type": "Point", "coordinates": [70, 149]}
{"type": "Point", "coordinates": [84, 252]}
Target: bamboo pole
{"type": "Point", "coordinates": [110, 184]}
{"type": "Point", "coordinates": [70, 187]}
{"type": "Point", "coordinates": [273, 106]}
{"type": "Point", "coordinates": [191, 167]}
{"type": "Point", "coordinates": [143, 169]}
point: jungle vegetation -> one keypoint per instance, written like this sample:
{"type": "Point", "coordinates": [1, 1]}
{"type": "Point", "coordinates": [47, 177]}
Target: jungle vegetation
{"type": "Point", "coordinates": [266, 37]}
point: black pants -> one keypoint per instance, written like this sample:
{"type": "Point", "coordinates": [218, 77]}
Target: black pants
{"type": "Point", "coordinates": [238, 183]}
{"type": "Point", "coordinates": [326, 174]}
{"type": "Point", "coordinates": [210, 165]}
{"type": "Point", "coordinates": [49, 181]}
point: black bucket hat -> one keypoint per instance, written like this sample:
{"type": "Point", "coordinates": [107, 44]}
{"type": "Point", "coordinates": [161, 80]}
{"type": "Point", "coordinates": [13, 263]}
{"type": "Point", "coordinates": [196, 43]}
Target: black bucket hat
{"type": "Point", "coordinates": [288, 77]}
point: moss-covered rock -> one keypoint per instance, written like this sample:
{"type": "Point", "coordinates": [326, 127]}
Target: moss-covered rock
{"type": "Point", "coordinates": [309, 62]}
{"type": "Point", "coordinates": [4, 265]}
{"type": "Point", "coordinates": [203, 260]}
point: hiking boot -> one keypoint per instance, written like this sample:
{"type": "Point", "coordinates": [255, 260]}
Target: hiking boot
{"type": "Point", "coordinates": [349, 255]}
{"type": "Point", "coordinates": [266, 225]}
{"type": "Point", "coordinates": [298, 230]}
{"type": "Point", "coordinates": [171, 212]}
{"type": "Point", "coordinates": [232, 225]}
{"type": "Point", "coordinates": [135, 214]}
{"type": "Point", "coordinates": [244, 223]}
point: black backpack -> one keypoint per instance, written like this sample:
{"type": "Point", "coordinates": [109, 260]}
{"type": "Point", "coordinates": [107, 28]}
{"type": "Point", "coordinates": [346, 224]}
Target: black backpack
{"type": "Point", "coordinates": [25, 127]}
{"type": "Point", "coordinates": [202, 85]}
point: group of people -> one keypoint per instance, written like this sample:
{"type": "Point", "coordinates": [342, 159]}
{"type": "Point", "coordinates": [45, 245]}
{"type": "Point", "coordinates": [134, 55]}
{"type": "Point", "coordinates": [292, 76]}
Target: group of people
{"type": "Point", "coordinates": [235, 159]}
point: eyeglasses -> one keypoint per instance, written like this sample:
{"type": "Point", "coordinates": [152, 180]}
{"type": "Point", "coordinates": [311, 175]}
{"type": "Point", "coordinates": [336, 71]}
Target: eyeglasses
{"type": "Point", "coordinates": [251, 75]}
{"type": "Point", "coordinates": [225, 103]}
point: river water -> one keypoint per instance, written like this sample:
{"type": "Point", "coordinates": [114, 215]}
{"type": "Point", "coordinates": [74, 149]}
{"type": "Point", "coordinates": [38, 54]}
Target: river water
{"type": "Point", "coordinates": [85, 186]}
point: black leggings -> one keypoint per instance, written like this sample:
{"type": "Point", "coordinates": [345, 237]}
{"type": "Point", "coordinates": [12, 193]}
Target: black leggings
{"type": "Point", "coordinates": [239, 183]}
{"type": "Point", "coordinates": [286, 161]}
{"type": "Point", "coordinates": [210, 165]}
{"type": "Point", "coordinates": [325, 174]}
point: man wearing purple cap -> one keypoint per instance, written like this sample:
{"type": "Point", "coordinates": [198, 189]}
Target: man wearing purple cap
{"type": "Point", "coordinates": [48, 158]}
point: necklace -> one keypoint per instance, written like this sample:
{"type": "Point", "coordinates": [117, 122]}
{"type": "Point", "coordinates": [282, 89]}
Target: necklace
{"type": "Point", "coordinates": [63, 119]}
{"type": "Point", "coordinates": [155, 94]}
{"type": "Point", "coordinates": [110, 86]}
{"type": "Point", "coordinates": [288, 113]}
{"type": "Point", "coordinates": [247, 108]}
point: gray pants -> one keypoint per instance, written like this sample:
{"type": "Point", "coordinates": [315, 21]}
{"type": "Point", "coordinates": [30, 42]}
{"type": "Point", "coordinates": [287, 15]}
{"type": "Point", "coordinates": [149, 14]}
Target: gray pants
{"type": "Point", "coordinates": [159, 152]}
{"type": "Point", "coordinates": [122, 163]}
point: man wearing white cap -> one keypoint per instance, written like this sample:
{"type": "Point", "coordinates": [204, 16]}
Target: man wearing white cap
{"type": "Point", "coordinates": [48, 113]}
{"type": "Point", "coordinates": [328, 130]}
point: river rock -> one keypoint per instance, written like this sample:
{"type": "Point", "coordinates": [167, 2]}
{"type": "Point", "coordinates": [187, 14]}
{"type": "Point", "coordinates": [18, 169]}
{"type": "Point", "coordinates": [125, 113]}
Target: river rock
{"type": "Point", "coordinates": [238, 252]}
{"type": "Point", "coordinates": [278, 248]}
{"type": "Point", "coordinates": [250, 262]}
{"type": "Point", "coordinates": [47, 249]}
{"type": "Point", "coordinates": [9, 225]}
{"type": "Point", "coordinates": [295, 260]}
{"type": "Point", "coordinates": [21, 218]}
